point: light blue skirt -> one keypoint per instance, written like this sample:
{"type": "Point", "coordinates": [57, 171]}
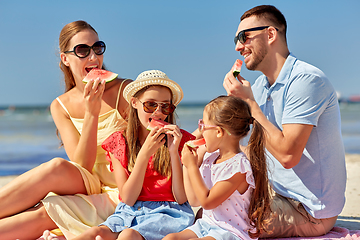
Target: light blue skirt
{"type": "Point", "coordinates": [153, 220]}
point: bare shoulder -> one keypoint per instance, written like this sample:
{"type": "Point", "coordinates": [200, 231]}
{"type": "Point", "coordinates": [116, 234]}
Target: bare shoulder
{"type": "Point", "coordinates": [57, 106]}
{"type": "Point", "coordinates": [245, 150]}
{"type": "Point", "coordinates": [114, 85]}
{"type": "Point", "coordinates": [123, 105]}
{"type": "Point", "coordinates": [114, 95]}
{"type": "Point", "coordinates": [124, 81]}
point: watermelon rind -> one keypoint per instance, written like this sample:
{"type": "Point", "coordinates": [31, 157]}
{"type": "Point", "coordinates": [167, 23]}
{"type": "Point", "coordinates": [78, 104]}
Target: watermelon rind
{"type": "Point", "coordinates": [158, 123]}
{"type": "Point", "coordinates": [95, 73]}
{"type": "Point", "coordinates": [237, 67]}
{"type": "Point", "coordinates": [195, 143]}
{"type": "Point", "coordinates": [190, 144]}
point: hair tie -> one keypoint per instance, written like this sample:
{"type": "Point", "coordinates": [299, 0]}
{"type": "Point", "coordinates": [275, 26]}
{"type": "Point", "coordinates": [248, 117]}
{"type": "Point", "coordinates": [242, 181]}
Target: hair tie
{"type": "Point", "coordinates": [251, 120]}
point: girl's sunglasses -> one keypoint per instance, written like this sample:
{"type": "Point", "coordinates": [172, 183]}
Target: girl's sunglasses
{"type": "Point", "coordinates": [202, 126]}
{"type": "Point", "coordinates": [151, 106]}
{"type": "Point", "coordinates": [241, 37]}
{"type": "Point", "coordinates": [83, 50]}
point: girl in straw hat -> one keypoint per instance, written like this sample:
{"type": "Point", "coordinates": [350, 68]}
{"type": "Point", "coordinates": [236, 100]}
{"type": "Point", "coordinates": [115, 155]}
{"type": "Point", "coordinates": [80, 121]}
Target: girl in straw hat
{"type": "Point", "coordinates": [147, 165]}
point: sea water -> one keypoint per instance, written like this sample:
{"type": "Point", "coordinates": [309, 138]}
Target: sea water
{"type": "Point", "coordinates": [28, 134]}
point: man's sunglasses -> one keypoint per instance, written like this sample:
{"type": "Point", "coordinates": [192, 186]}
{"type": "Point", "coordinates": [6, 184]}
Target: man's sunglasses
{"type": "Point", "coordinates": [83, 50]}
{"type": "Point", "coordinates": [151, 106]}
{"type": "Point", "coordinates": [241, 37]}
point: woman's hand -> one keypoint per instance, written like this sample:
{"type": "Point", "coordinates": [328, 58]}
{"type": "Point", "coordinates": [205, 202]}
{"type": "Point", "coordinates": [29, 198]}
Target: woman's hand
{"type": "Point", "coordinates": [93, 93]}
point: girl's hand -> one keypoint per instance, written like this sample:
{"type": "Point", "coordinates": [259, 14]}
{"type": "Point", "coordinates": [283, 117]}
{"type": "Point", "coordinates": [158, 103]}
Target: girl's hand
{"type": "Point", "coordinates": [93, 93]}
{"type": "Point", "coordinates": [201, 150]}
{"type": "Point", "coordinates": [189, 157]}
{"type": "Point", "coordinates": [174, 136]}
{"type": "Point", "coordinates": [154, 140]}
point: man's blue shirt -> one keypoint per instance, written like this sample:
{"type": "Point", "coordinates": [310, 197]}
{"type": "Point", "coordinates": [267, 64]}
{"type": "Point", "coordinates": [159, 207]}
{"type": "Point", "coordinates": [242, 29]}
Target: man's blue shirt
{"type": "Point", "coordinates": [302, 94]}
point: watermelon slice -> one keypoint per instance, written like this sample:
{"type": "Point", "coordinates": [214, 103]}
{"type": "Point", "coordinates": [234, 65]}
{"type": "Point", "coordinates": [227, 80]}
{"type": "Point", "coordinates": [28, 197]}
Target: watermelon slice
{"type": "Point", "coordinates": [186, 136]}
{"type": "Point", "coordinates": [196, 143]}
{"type": "Point", "coordinates": [156, 123]}
{"type": "Point", "coordinates": [100, 73]}
{"type": "Point", "coordinates": [237, 67]}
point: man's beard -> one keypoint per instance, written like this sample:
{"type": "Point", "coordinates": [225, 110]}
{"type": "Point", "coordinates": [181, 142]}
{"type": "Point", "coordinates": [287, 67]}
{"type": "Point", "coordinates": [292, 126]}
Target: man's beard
{"type": "Point", "coordinates": [257, 57]}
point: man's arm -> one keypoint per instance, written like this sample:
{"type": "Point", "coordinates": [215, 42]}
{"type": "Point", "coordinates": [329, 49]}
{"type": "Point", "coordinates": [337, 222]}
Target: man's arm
{"type": "Point", "coordinates": [287, 145]}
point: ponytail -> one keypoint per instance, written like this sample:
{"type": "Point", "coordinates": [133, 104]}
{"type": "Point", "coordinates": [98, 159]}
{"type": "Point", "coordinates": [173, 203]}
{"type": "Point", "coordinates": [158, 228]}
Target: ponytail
{"type": "Point", "coordinates": [234, 115]}
{"type": "Point", "coordinates": [259, 209]}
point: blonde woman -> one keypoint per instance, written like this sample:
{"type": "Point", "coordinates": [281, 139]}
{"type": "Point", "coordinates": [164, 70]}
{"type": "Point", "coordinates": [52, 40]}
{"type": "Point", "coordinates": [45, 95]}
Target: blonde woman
{"type": "Point", "coordinates": [60, 193]}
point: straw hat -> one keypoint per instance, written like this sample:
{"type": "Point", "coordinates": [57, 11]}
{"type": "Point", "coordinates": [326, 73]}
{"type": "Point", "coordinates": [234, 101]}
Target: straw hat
{"type": "Point", "coordinates": [153, 77]}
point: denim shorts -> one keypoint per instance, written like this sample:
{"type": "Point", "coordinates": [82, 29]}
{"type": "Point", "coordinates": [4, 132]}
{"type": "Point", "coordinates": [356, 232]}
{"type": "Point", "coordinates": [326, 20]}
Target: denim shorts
{"type": "Point", "coordinates": [204, 229]}
{"type": "Point", "coordinates": [153, 220]}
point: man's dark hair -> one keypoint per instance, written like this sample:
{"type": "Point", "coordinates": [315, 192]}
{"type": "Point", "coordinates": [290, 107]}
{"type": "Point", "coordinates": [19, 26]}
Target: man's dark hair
{"type": "Point", "coordinates": [269, 13]}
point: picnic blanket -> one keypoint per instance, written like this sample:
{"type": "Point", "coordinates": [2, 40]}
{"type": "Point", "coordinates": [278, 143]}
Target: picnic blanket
{"type": "Point", "coordinates": [335, 233]}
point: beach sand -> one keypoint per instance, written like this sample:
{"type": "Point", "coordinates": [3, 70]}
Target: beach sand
{"type": "Point", "coordinates": [349, 217]}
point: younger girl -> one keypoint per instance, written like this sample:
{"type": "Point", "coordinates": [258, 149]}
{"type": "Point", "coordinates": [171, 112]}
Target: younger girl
{"type": "Point", "coordinates": [232, 190]}
{"type": "Point", "coordinates": [147, 165]}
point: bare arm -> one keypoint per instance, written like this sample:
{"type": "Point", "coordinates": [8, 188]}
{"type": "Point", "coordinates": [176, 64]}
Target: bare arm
{"type": "Point", "coordinates": [193, 155]}
{"type": "Point", "coordinates": [177, 179]}
{"type": "Point", "coordinates": [209, 198]}
{"type": "Point", "coordinates": [287, 145]}
{"type": "Point", "coordinates": [81, 148]}
{"type": "Point", "coordinates": [173, 138]}
{"type": "Point", "coordinates": [131, 188]}
{"type": "Point", "coordinates": [190, 194]}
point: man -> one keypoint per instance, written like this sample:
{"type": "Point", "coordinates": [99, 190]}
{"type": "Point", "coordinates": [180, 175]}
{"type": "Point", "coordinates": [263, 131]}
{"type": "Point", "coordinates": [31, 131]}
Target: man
{"type": "Point", "coordinates": [298, 107]}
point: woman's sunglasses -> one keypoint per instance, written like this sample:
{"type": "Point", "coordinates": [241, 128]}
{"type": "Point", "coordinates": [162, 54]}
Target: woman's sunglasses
{"type": "Point", "coordinates": [241, 37]}
{"type": "Point", "coordinates": [151, 106]}
{"type": "Point", "coordinates": [83, 50]}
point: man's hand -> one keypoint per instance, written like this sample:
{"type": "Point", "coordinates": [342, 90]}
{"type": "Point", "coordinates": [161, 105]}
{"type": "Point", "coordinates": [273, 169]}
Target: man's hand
{"type": "Point", "coordinates": [238, 87]}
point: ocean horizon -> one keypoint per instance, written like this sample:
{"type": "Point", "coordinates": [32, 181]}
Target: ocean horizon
{"type": "Point", "coordinates": [28, 133]}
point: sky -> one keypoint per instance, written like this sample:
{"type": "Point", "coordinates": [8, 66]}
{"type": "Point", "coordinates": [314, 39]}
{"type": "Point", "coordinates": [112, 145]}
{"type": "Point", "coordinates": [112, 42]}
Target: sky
{"type": "Point", "coordinates": [190, 40]}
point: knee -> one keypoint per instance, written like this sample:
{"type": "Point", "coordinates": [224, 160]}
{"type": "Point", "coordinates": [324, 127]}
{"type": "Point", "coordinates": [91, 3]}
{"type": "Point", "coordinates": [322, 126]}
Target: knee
{"type": "Point", "coordinates": [57, 166]}
{"type": "Point", "coordinates": [329, 223]}
{"type": "Point", "coordinates": [41, 213]}
{"type": "Point", "coordinates": [171, 236]}
{"type": "Point", "coordinates": [96, 231]}
{"type": "Point", "coordinates": [129, 233]}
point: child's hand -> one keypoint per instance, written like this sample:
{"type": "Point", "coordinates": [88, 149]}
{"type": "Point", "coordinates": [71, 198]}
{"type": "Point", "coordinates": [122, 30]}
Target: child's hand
{"type": "Point", "coordinates": [154, 140]}
{"type": "Point", "coordinates": [173, 137]}
{"type": "Point", "coordinates": [189, 157]}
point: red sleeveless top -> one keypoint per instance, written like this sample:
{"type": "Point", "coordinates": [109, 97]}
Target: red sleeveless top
{"type": "Point", "coordinates": [155, 187]}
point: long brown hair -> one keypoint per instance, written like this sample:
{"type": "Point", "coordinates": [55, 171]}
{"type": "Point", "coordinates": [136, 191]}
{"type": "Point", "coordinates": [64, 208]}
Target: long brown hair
{"type": "Point", "coordinates": [234, 115]}
{"type": "Point", "coordinates": [66, 34]}
{"type": "Point", "coordinates": [161, 160]}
